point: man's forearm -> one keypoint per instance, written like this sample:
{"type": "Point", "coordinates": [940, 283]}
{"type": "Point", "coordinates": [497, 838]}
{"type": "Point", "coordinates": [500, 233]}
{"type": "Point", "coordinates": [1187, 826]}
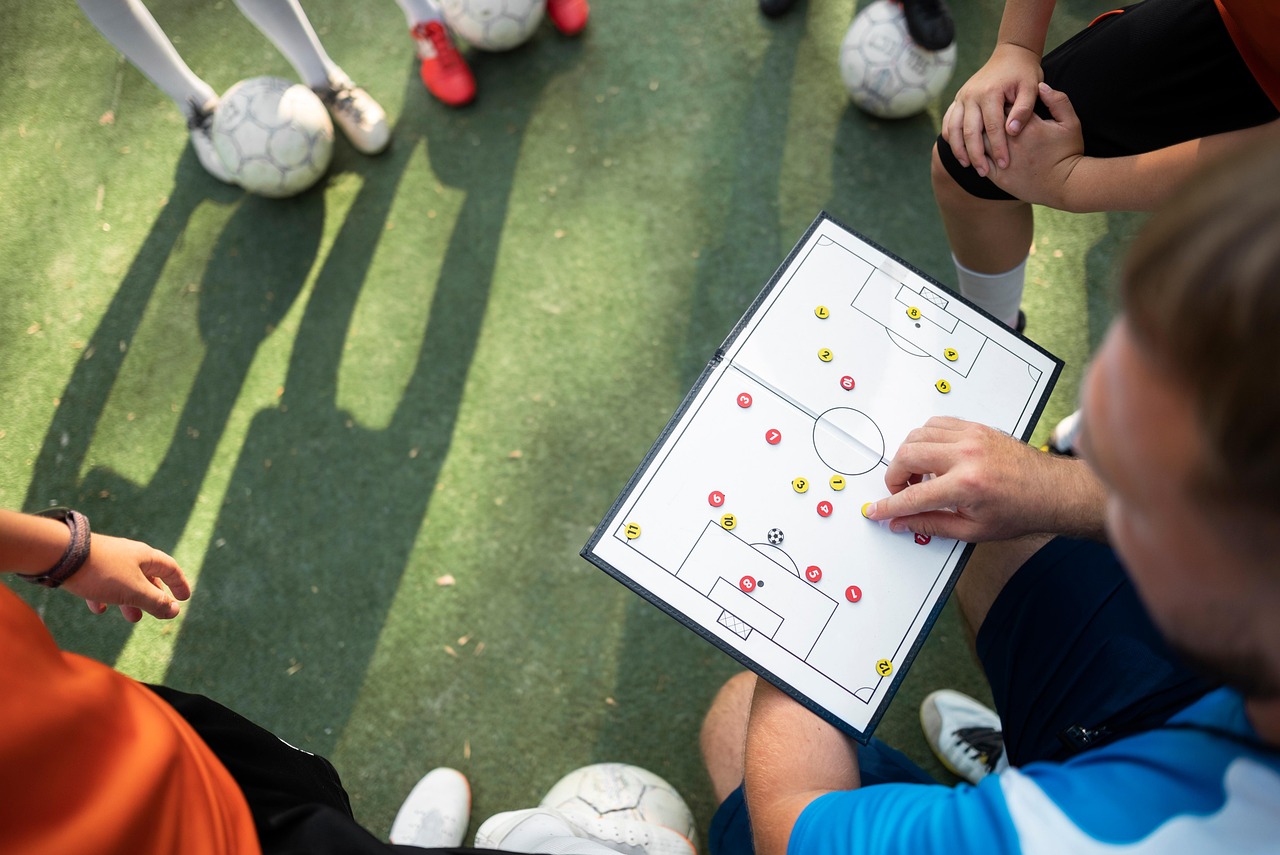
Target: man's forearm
{"type": "Point", "coordinates": [1077, 505]}
{"type": "Point", "coordinates": [792, 758]}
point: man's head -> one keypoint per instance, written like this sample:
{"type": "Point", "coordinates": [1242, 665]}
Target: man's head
{"type": "Point", "coordinates": [1182, 420]}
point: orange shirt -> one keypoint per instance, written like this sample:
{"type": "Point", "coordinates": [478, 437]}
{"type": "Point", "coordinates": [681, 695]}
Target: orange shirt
{"type": "Point", "coordinates": [1254, 26]}
{"type": "Point", "coordinates": [92, 761]}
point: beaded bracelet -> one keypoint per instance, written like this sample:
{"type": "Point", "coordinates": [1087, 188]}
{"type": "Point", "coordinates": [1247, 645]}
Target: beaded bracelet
{"type": "Point", "coordinates": [77, 550]}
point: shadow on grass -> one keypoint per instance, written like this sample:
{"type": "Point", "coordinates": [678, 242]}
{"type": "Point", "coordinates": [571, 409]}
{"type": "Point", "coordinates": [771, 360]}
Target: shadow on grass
{"type": "Point", "coordinates": [316, 541]}
{"type": "Point", "coordinates": [158, 512]}
{"type": "Point", "coordinates": [308, 549]}
{"type": "Point", "coordinates": [730, 273]}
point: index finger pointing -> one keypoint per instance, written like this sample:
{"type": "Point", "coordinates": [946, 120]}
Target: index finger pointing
{"type": "Point", "coordinates": [931, 495]}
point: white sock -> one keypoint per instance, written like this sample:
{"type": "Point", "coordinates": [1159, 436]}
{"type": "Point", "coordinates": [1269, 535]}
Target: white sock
{"type": "Point", "coordinates": [998, 293]}
{"type": "Point", "coordinates": [284, 22]}
{"type": "Point", "coordinates": [417, 11]}
{"type": "Point", "coordinates": [130, 27]}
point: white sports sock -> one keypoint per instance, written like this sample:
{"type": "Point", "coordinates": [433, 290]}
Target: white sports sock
{"type": "Point", "coordinates": [130, 27]}
{"type": "Point", "coordinates": [417, 11]}
{"type": "Point", "coordinates": [284, 22]}
{"type": "Point", "coordinates": [998, 293]}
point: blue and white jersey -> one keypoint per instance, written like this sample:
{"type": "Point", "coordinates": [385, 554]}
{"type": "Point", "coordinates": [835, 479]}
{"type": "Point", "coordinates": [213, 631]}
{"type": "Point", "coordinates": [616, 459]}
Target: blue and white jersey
{"type": "Point", "coordinates": [1192, 789]}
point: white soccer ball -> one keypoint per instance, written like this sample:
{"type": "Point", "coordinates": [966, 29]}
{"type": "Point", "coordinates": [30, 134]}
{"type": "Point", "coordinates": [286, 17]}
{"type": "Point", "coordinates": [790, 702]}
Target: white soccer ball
{"type": "Point", "coordinates": [494, 24]}
{"type": "Point", "coordinates": [275, 136]}
{"type": "Point", "coordinates": [620, 790]}
{"type": "Point", "coordinates": [886, 73]}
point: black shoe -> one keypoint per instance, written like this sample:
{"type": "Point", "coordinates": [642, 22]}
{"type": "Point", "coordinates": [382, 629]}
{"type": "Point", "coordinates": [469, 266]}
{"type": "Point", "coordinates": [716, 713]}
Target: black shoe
{"type": "Point", "coordinates": [774, 8]}
{"type": "Point", "coordinates": [1021, 324]}
{"type": "Point", "coordinates": [928, 21]}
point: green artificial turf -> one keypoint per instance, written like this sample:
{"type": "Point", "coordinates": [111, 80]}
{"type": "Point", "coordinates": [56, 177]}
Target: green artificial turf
{"type": "Point", "coordinates": [376, 422]}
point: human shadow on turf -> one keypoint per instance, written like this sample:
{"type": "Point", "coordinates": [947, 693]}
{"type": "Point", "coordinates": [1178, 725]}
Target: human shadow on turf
{"type": "Point", "coordinates": [732, 270]}
{"type": "Point", "coordinates": [251, 279]}
{"type": "Point", "coordinates": [322, 512]}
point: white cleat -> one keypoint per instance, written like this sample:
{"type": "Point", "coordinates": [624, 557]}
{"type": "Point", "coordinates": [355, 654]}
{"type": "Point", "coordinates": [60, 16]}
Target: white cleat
{"type": "Point", "coordinates": [200, 123]}
{"type": "Point", "coordinates": [361, 118]}
{"type": "Point", "coordinates": [436, 812]}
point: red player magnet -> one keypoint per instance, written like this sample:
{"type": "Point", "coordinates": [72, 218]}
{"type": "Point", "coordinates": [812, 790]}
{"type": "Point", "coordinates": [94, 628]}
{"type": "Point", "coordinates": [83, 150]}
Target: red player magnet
{"type": "Point", "coordinates": [747, 584]}
{"type": "Point", "coordinates": [744, 400]}
{"type": "Point", "coordinates": [773, 436]}
{"type": "Point", "coordinates": [853, 593]}
{"type": "Point", "coordinates": [923, 539]}
{"type": "Point", "coordinates": [813, 573]}
{"type": "Point", "coordinates": [824, 509]}
{"type": "Point", "coordinates": [846, 383]}
{"type": "Point", "coordinates": [715, 499]}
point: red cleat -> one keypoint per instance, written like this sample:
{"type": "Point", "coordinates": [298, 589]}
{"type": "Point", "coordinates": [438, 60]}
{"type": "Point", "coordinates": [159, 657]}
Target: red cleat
{"type": "Point", "coordinates": [444, 72]}
{"type": "Point", "coordinates": [569, 16]}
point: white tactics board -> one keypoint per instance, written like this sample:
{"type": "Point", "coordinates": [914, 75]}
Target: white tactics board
{"type": "Point", "coordinates": [744, 521]}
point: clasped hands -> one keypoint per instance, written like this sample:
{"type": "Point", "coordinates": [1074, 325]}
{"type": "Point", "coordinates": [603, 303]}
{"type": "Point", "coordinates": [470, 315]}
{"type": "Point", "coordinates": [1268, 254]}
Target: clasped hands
{"type": "Point", "coordinates": [992, 126]}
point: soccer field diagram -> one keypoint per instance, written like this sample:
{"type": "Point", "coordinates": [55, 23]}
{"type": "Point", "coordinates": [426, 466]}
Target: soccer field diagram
{"type": "Point", "coordinates": [745, 519]}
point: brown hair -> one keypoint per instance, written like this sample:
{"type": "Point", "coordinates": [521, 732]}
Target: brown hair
{"type": "Point", "coordinates": [1201, 292]}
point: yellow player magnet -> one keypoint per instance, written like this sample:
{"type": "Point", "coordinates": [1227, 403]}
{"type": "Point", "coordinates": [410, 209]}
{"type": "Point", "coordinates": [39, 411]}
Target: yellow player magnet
{"type": "Point", "coordinates": [728, 521]}
{"type": "Point", "coordinates": [950, 354]}
{"type": "Point", "coordinates": [942, 386]}
{"type": "Point", "coordinates": [632, 531]}
{"type": "Point", "coordinates": [825, 354]}
{"type": "Point", "coordinates": [800, 485]}
{"type": "Point", "coordinates": [837, 482]}
{"type": "Point", "coordinates": [865, 506]}
{"type": "Point", "coordinates": [822, 312]}
{"type": "Point", "coordinates": [913, 313]}
{"type": "Point", "coordinates": [884, 667]}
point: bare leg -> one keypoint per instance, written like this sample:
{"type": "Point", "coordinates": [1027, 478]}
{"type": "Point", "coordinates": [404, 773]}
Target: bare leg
{"type": "Point", "coordinates": [987, 236]}
{"type": "Point", "coordinates": [724, 733]}
{"type": "Point", "coordinates": [984, 577]}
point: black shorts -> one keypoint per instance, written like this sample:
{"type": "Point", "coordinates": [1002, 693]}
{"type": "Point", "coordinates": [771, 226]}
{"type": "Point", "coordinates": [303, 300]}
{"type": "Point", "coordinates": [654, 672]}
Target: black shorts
{"type": "Point", "coordinates": [1073, 662]}
{"type": "Point", "coordinates": [1153, 75]}
{"type": "Point", "coordinates": [298, 804]}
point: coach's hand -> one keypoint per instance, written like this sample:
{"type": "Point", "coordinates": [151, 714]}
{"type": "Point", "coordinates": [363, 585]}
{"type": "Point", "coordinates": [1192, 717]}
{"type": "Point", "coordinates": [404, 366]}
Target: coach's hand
{"type": "Point", "coordinates": [986, 486]}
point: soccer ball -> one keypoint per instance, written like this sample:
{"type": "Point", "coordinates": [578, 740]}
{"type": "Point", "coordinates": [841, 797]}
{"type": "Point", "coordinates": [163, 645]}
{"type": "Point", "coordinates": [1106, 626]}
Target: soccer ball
{"type": "Point", "coordinates": [619, 790]}
{"type": "Point", "coordinates": [775, 536]}
{"type": "Point", "coordinates": [886, 73]}
{"type": "Point", "coordinates": [494, 24]}
{"type": "Point", "coordinates": [274, 136]}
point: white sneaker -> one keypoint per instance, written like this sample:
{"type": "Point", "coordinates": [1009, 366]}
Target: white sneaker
{"type": "Point", "coordinates": [964, 734]}
{"type": "Point", "coordinates": [1064, 436]}
{"type": "Point", "coordinates": [200, 123]}
{"type": "Point", "coordinates": [436, 812]}
{"type": "Point", "coordinates": [549, 831]}
{"type": "Point", "coordinates": [361, 118]}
